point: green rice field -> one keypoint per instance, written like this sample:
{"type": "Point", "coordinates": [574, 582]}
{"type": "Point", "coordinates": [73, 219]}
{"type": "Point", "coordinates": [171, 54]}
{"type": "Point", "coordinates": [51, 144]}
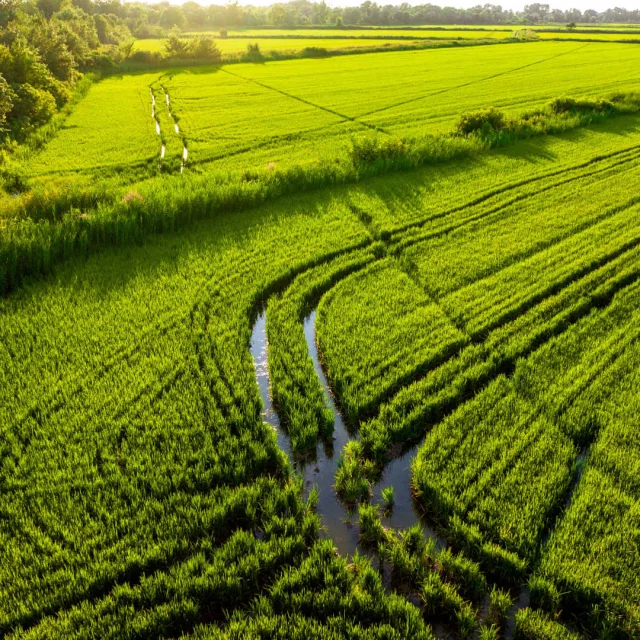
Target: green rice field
{"type": "Point", "coordinates": [326, 348]}
{"type": "Point", "coordinates": [249, 116]}
{"type": "Point", "coordinates": [298, 39]}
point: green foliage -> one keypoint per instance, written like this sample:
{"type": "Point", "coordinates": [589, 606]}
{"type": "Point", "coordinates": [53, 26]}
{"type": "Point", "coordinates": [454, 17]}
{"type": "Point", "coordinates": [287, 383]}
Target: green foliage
{"type": "Point", "coordinates": [526, 34]}
{"type": "Point", "coordinates": [295, 387]}
{"type": "Point", "coordinates": [204, 48]}
{"type": "Point", "coordinates": [489, 633]}
{"type": "Point", "coordinates": [175, 46]}
{"type": "Point", "coordinates": [42, 55]}
{"type": "Point", "coordinates": [482, 121]}
{"type": "Point", "coordinates": [532, 624]}
{"type": "Point", "coordinates": [565, 104]}
{"type": "Point", "coordinates": [367, 151]}
{"type": "Point", "coordinates": [372, 532]}
{"type": "Point", "coordinates": [253, 52]}
{"type": "Point", "coordinates": [500, 602]}
{"type": "Point", "coordinates": [351, 484]}
{"type": "Point", "coordinates": [544, 594]}
{"type": "Point", "coordinates": [388, 497]}
{"type": "Point", "coordinates": [463, 572]}
{"type": "Point", "coordinates": [314, 52]}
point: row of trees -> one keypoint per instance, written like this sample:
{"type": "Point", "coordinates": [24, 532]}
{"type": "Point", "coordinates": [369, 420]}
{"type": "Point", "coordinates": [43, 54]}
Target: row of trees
{"type": "Point", "coordinates": [150, 19]}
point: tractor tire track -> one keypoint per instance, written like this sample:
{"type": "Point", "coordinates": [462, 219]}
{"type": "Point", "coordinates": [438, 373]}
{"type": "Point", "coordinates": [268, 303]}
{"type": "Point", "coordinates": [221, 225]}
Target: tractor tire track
{"type": "Point", "coordinates": [467, 84]}
{"type": "Point", "coordinates": [396, 234]}
{"type": "Point", "coordinates": [344, 117]}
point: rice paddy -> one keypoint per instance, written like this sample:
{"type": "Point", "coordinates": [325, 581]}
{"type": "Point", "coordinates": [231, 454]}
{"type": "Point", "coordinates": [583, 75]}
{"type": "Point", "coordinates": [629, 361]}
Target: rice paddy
{"type": "Point", "coordinates": [398, 402]}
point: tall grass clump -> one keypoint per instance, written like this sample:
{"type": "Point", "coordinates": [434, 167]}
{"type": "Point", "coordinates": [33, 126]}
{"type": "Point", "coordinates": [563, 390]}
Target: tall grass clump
{"type": "Point", "coordinates": [351, 484]}
{"type": "Point", "coordinates": [534, 625]}
{"type": "Point", "coordinates": [496, 128]}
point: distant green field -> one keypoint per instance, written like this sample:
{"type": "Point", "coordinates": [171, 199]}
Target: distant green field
{"type": "Point", "coordinates": [298, 39]}
{"type": "Point", "coordinates": [442, 32]}
{"type": "Point", "coordinates": [239, 45]}
{"type": "Point", "coordinates": [378, 32]}
{"type": "Point", "coordinates": [299, 111]}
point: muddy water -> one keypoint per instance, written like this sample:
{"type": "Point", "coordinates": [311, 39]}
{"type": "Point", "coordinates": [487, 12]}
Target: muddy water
{"type": "Point", "coordinates": [258, 348]}
{"type": "Point", "coordinates": [340, 523]}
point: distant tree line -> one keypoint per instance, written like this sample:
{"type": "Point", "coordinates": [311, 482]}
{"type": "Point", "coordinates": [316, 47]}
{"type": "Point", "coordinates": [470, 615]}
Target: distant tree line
{"type": "Point", "coordinates": [47, 45]}
{"type": "Point", "coordinates": [149, 19]}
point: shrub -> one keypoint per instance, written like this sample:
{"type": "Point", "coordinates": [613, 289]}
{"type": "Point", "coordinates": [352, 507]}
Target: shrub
{"type": "Point", "coordinates": [31, 108]}
{"type": "Point", "coordinates": [223, 32]}
{"type": "Point", "coordinates": [481, 121]}
{"type": "Point", "coordinates": [204, 48]}
{"type": "Point", "coordinates": [366, 151]}
{"type": "Point", "coordinates": [174, 46]}
{"type": "Point", "coordinates": [565, 105]}
{"type": "Point", "coordinates": [146, 57]}
{"type": "Point", "coordinates": [314, 52]}
{"type": "Point", "coordinates": [526, 34]}
{"type": "Point", "coordinates": [253, 52]}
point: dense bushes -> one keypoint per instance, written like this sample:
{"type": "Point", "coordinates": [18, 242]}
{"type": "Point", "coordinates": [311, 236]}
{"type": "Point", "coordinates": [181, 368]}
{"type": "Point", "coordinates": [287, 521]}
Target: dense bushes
{"type": "Point", "coordinates": [495, 127]}
{"type": "Point", "coordinates": [44, 49]}
{"type": "Point", "coordinates": [566, 105]}
{"type": "Point", "coordinates": [200, 47]}
{"type": "Point", "coordinates": [483, 120]}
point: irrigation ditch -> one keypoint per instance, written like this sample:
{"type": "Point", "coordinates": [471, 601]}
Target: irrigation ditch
{"type": "Point", "coordinates": [338, 520]}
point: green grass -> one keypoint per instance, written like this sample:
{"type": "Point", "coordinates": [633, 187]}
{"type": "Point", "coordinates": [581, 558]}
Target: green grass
{"type": "Point", "coordinates": [376, 328]}
{"type": "Point", "coordinates": [110, 130]}
{"type": "Point", "coordinates": [484, 307]}
{"type": "Point", "coordinates": [324, 102]}
{"type": "Point", "coordinates": [301, 112]}
{"type": "Point", "coordinates": [267, 44]}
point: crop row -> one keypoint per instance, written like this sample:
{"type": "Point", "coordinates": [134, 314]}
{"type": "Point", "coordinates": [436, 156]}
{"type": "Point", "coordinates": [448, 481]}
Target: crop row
{"type": "Point", "coordinates": [589, 567]}
{"type": "Point", "coordinates": [378, 330]}
{"type": "Point", "coordinates": [422, 403]}
{"type": "Point", "coordinates": [299, 398]}
{"type": "Point", "coordinates": [132, 445]}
